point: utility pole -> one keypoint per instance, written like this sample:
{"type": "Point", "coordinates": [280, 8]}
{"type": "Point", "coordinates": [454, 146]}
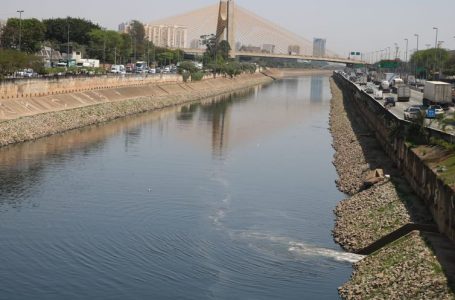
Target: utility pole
{"type": "Point", "coordinates": [20, 28]}
{"type": "Point", "coordinates": [68, 44]}
{"type": "Point", "coordinates": [115, 55]}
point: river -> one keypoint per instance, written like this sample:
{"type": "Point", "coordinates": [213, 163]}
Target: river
{"type": "Point", "coordinates": [232, 198]}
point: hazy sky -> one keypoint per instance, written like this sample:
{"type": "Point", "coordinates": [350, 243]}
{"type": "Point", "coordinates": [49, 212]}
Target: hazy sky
{"type": "Point", "coordinates": [347, 24]}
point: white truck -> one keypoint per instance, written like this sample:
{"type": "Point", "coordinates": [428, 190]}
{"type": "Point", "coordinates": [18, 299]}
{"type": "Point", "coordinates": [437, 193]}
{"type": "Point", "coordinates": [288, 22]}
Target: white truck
{"type": "Point", "coordinates": [403, 93]}
{"type": "Point", "coordinates": [385, 86]}
{"type": "Point", "coordinates": [395, 83]}
{"type": "Point", "coordinates": [437, 92]}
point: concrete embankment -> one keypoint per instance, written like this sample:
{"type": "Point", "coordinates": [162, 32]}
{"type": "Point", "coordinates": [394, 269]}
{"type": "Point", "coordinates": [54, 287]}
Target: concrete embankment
{"type": "Point", "coordinates": [31, 118]}
{"type": "Point", "coordinates": [405, 269]}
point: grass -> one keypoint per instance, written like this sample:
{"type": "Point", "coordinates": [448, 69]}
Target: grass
{"type": "Point", "coordinates": [448, 175]}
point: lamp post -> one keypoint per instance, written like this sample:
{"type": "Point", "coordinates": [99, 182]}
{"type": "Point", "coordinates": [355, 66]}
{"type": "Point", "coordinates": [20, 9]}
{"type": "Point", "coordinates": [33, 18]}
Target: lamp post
{"type": "Point", "coordinates": [68, 43]}
{"type": "Point", "coordinates": [417, 50]}
{"type": "Point", "coordinates": [436, 41]}
{"type": "Point", "coordinates": [20, 28]}
{"type": "Point", "coordinates": [406, 54]}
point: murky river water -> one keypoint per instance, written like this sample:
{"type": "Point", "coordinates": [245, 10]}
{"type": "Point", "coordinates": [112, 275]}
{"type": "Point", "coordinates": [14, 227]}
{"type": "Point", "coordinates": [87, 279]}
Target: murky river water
{"type": "Point", "coordinates": [228, 199]}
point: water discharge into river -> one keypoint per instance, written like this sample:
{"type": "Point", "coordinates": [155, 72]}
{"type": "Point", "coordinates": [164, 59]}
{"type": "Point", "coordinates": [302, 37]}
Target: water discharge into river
{"type": "Point", "coordinates": [228, 199]}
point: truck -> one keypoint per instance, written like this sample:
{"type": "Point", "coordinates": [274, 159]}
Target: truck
{"type": "Point", "coordinates": [395, 83]}
{"type": "Point", "coordinates": [385, 86]}
{"type": "Point", "coordinates": [403, 93]}
{"type": "Point", "coordinates": [437, 92]}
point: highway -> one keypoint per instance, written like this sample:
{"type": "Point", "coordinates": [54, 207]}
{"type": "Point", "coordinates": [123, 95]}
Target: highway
{"type": "Point", "coordinates": [416, 99]}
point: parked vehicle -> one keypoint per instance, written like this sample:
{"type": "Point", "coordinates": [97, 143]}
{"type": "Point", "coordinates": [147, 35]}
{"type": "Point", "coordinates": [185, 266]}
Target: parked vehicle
{"type": "Point", "coordinates": [412, 113]}
{"type": "Point", "coordinates": [140, 67]}
{"type": "Point", "coordinates": [389, 102]}
{"type": "Point", "coordinates": [152, 71]}
{"type": "Point", "coordinates": [403, 93]}
{"type": "Point", "coordinates": [437, 92]}
{"type": "Point", "coordinates": [118, 69]}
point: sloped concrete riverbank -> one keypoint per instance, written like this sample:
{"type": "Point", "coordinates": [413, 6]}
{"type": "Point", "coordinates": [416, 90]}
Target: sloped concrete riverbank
{"type": "Point", "coordinates": [31, 119]}
{"type": "Point", "coordinates": [405, 269]}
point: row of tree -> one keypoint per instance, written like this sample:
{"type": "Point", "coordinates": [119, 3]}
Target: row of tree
{"type": "Point", "coordinates": [75, 34]}
{"type": "Point", "coordinates": [432, 61]}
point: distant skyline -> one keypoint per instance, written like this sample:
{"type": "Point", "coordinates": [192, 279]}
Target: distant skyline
{"type": "Point", "coordinates": [349, 25]}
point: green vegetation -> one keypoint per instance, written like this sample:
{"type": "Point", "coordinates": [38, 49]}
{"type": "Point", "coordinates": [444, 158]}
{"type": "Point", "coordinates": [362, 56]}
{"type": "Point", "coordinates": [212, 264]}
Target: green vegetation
{"type": "Point", "coordinates": [13, 60]}
{"type": "Point", "coordinates": [430, 61]}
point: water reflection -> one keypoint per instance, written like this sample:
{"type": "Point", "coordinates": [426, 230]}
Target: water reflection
{"type": "Point", "coordinates": [317, 86]}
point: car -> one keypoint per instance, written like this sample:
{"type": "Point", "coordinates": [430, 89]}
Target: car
{"type": "Point", "coordinates": [152, 71]}
{"type": "Point", "coordinates": [369, 90]}
{"type": "Point", "coordinates": [389, 101]}
{"type": "Point", "coordinates": [379, 95]}
{"type": "Point", "coordinates": [412, 113]}
{"type": "Point", "coordinates": [438, 111]}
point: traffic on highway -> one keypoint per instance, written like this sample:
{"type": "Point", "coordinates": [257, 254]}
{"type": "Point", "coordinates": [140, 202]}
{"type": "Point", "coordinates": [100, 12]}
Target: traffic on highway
{"type": "Point", "coordinates": [435, 103]}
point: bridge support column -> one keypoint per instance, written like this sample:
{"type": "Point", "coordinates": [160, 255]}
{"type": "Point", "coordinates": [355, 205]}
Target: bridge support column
{"type": "Point", "coordinates": [226, 24]}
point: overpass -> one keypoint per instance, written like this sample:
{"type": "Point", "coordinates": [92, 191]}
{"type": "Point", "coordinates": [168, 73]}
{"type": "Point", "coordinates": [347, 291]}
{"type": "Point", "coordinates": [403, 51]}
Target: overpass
{"type": "Point", "coordinates": [278, 55]}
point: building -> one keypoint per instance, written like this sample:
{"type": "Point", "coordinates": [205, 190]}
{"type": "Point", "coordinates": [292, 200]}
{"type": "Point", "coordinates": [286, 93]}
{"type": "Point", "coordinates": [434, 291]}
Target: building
{"type": "Point", "coordinates": [197, 44]}
{"type": "Point", "coordinates": [50, 57]}
{"type": "Point", "coordinates": [268, 48]}
{"type": "Point", "coordinates": [167, 36]}
{"type": "Point", "coordinates": [294, 50]}
{"type": "Point", "coordinates": [319, 47]}
{"type": "Point", "coordinates": [124, 27]}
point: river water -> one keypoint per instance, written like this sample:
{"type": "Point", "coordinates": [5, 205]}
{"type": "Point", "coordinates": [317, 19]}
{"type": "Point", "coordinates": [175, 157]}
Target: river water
{"type": "Point", "coordinates": [228, 199]}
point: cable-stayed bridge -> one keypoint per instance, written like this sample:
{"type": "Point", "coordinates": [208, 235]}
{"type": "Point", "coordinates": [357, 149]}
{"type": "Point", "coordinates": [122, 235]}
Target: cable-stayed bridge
{"type": "Point", "coordinates": [248, 34]}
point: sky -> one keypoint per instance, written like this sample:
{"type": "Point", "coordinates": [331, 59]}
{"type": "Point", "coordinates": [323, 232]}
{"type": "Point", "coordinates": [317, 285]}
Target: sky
{"type": "Point", "coordinates": [348, 25]}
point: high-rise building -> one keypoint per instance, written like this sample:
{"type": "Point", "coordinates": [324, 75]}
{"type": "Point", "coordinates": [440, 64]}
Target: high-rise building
{"type": "Point", "coordinates": [319, 47]}
{"type": "Point", "coordinates": [124, 27]}
{"type": "Point", "coordinates": [168, 36]}
{"type": "Point", "coordinates": [197, 44]}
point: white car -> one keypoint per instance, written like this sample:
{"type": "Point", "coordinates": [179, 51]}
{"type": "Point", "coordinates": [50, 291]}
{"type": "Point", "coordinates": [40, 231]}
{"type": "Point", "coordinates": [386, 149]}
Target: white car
{"type": "Point", "coordinates": [412, 113]}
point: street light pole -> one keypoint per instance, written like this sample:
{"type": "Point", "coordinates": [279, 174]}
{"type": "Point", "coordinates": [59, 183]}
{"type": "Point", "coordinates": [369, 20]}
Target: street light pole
{"type": "Point", "coordinates": [406, 54]}
{"type": "Point", "coordinates": [435, 52]}
{"type": "Point", "coordinates": [20, 28]}
{"type": "Point", "coordinates": [436, 41]}
{"type": "Point", "coordinates": [68, 44]}
{"type": "Point", "coordinates": [417, 50]}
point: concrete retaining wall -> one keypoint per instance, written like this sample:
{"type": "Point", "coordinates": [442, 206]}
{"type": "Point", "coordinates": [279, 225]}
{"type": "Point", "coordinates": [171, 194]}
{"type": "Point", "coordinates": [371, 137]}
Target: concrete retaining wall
{"type": "Point", "coordinates": [389, 130]}
{"type": "Point", "coordinates": [37, 87]}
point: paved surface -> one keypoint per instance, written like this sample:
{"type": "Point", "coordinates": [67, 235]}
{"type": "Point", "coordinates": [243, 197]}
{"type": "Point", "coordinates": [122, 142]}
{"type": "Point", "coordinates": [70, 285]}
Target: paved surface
{"type": "Point", "coordinates": [416, 99]}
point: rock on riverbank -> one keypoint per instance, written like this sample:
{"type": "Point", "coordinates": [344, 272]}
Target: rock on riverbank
{"type": "Point", "coordinates": [405, 269]}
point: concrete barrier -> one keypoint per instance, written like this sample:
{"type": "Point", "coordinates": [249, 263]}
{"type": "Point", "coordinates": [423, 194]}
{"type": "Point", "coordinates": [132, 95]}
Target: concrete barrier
{"type": "Point", "coordinates": [38, 87]}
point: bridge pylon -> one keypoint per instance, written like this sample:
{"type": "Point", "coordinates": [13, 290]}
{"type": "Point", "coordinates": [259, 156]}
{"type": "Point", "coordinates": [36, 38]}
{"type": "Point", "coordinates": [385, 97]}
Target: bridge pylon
{"type": "Point", "coordinates": [226, 24]}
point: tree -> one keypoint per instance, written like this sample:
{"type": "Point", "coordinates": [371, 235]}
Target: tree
{"type": "Point", "coordinates": [137, 34]}
{"type": "Point", "coordinates": [430, 59]}
{"type": "Point", "coordinates": [32, 34]}
{"type": "Point", "coordinates": [79, 29]}
{"type": "Point", "coordinates": [12, 60]}
{"type": "Point", "coordinates": [105, 45]}
{"type": "Point", "coordinates": [223, 50]}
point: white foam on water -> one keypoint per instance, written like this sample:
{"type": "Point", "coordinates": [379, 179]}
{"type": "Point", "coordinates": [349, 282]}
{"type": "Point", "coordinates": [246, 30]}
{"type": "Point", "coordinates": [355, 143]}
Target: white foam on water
{"type": "Point", "coordinates": [302, 249]}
